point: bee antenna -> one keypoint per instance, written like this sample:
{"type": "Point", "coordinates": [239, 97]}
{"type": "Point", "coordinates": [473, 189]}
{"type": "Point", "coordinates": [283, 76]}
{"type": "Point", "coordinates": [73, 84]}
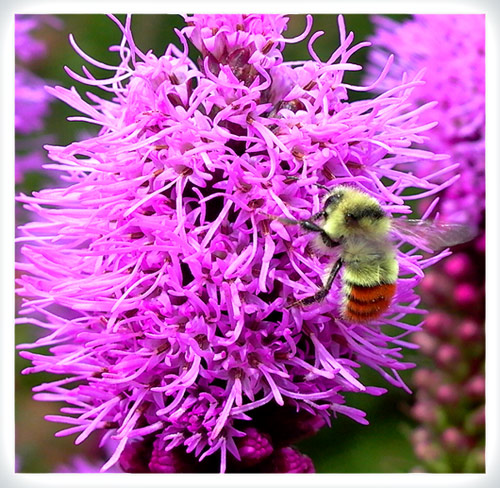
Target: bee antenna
{"type": "Point", "coordinates": [319, 185]}
{"type": "Point", "coordinates": [323, 187]}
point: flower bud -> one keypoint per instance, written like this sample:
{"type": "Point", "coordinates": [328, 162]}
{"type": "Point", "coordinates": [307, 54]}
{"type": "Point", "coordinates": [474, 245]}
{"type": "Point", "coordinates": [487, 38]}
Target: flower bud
{"type": "Point", "coordinates": [420, 434]}
{"type": "Point", "coordinates": [172, 461]}
{"type": "Point", "coordinates": [466, 295]}
{"type": "Point", "coordinates": [447, 394]}
{"type": "Point", "coordinates": [458, 265]}
{"type": "Point", "coordinates": [436, 286]}
{"type": "Point", "coordinates": [454, 439]}
{"type": "Point", "coordinates": [427, 343]}
{"type": "Point", "coordinates": [427, 451]}
{"type": "Point", "coordinates": [423, 378]}
{"type": "Point", "coordinates": [438, 324]}
{"type": "Point", "coordinates": [480, 243]}
{"type": "Point", "coordinates": [469, 330]}
{"type": "Point", "coordinates": [476, 387]}
{"type": "Point", "coordinates": [290, 460]}
{"type": "Point", "coordinates": [475, 421]}
{"type": "Point", "coordinates": [135, 457]}
{"type": "Point", "coordinates": [424, 411]}
{"type": "Point", "coordinates": [254, 447]}
{"type": "Point", "coordinates": [447, 355]}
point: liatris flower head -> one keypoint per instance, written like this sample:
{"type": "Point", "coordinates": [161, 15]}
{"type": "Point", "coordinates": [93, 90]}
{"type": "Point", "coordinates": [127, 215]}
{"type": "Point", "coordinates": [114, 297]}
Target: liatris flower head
{"type": "Point", "coordinates": [159, 275]}
{"type": "Point", "coordinates": [451, 49]}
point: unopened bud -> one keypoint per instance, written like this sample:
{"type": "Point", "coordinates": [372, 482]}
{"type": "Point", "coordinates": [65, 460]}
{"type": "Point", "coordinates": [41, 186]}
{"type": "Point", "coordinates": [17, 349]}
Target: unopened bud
{"type": "Point", "coordinates": [289, 460]}
{"type": "Point", "coordinates": [428, 344]}
{"type": "Point", "coordinates": [458, 265]}
{"type": "Point", "coordinates": [436, 286]}
{"type": "Point", "coordinates": [135, 457]}
{"type": "Point", "coordinates": [424, 378]}
{"type": "Point", "coordinates": [254, 447]}
{"type": "Point", "coordinates": [469, 330]}
{"type": "Point", "coordinates": [480, 243]}
{"type": "Point", "coordinates": [475, 421]}
{"type": "Point", "coordinates": [438, 324]}
{"type": "Point", "coordinates": [447, 355]}
{"type": "Point", "coordinates": [424, 411]}
{"type": "Point", "coordinates": [454, 439]}
{"type": "Point", "coordinates": [466, 295]}
{"type": "Point", "coordinates": [476, 387]}
{"type": "Point", "coordinates": [447, 394]}
{"type": "Point", "coordinates": [427, 451]}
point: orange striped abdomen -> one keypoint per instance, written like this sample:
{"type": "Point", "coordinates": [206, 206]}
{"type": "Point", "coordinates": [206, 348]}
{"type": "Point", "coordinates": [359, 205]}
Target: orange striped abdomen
{"type": "Point", "coordinates": [365, 303]}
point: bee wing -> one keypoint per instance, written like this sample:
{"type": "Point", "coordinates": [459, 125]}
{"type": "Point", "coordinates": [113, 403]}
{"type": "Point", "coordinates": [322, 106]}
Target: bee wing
{"type": "Point", "coordinates": [433, 235]}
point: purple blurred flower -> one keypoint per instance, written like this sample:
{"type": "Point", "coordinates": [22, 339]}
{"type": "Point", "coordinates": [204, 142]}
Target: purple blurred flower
{"type": "Point", "coordinates": [80, 464]}
{"type": "Point", "coordinates": [452, 50]}
{"type": "Point", "coordinates": [28, 47]}
{"type": "Point", "coordinates": [175, 277]}
{"type": "Point", "coordinates": [31, 100]}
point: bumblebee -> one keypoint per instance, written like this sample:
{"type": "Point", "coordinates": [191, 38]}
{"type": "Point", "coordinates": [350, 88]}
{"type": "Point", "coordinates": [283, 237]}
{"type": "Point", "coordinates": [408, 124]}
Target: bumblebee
{"type": "Point", "coordinates": [354, 222]}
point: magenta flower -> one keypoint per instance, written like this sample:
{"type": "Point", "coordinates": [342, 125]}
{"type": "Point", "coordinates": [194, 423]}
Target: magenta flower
{"type": "Point", "coordinates": [451, 48]}
{"type": "Point", "coordinates": [159, 277]}
{"type": "Point", "coordinates": [450, 396]}
{"type": "Point", "coordinates": [81, 465]}
{"type": "Point", "coordinates": [32, 102]}
{"type": "Point", "coordinates": [28, 47]}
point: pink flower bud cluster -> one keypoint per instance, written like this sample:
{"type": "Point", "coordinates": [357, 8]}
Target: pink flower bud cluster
{"type": "Point", "coordinates": [450, 392]}
{"type": "Point", "coordinates": [259, 452]}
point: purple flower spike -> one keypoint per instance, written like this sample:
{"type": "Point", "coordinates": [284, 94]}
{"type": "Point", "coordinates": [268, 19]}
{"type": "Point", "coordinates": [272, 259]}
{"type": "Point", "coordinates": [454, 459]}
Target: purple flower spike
{"type": "Point", "coordinates": [158, 275]}
{"type": "Point", "coordinates": [451, 49]}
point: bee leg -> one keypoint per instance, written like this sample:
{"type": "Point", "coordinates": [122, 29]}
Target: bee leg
{"type": "Point", "coordinates": [323, 291]}
{"type": "Point", "coordinates": [319, 215]}
{"type": "Point", "coordinates": [305, 224]}
{"type": "Point", "coordinates": [312, 227]}
{"type": "Point", "coordinates": [309, 226]}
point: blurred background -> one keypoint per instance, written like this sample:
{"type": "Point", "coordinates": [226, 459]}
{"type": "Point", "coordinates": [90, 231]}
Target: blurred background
{"type": "Point", "coordinates": [385, 445]}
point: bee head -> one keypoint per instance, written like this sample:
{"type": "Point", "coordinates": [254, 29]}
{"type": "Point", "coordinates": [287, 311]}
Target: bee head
{"type": "Point", "coordinates": [349, 212]}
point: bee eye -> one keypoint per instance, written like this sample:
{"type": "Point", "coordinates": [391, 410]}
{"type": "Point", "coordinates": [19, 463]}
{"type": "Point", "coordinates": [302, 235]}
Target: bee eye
{"type": "Point", "coordinates": [333, 199]}
{"type": "Point", "coordinates": [350, 218]}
